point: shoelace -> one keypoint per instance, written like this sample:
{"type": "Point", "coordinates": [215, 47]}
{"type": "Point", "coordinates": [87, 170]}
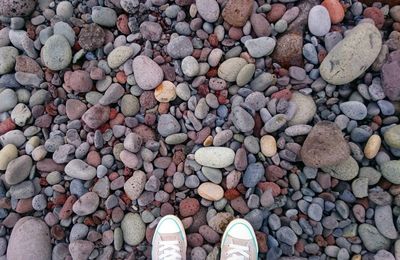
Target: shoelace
{"type": "Point", "coordinates": [170, 250]}
{"type": "Point", "coordinates": [238, 252]}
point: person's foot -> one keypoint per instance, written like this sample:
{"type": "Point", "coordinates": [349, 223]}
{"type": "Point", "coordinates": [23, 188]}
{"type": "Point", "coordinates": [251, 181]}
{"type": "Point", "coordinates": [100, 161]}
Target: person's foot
{"type": "Point", "coordinates": [169, 240]}
{"type": "Point", "coordinates": [239, 241]}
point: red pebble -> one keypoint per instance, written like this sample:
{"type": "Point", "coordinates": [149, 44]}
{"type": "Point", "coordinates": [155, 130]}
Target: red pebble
{"type": "Point", "coordinates": [66, 210]}
{"type": "Point", "coordinates": [285, 94]}
{"type": "Point", "coordinates": [189, 207]}
{"type": "Point", "coordinates": [7, 125]}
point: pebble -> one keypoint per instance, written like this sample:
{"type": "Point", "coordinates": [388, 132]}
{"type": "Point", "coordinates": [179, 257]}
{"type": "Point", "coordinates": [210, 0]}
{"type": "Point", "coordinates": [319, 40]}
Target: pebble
{"type": "Point", "coordinates": [315, 211]}
{"type": "Point", "coordinates": [208, 10]}
{"type": "Point", "coordinates": [167, 125]}
{"type": "Point", "coordinates": [29, 237]}
{"type": "Point", "coordinates": [210, 191]}
{"type": "Point", "coordinates": [104, 16]}
{"type": "Point", "coordinates": [253, 175]}
{"type": "Point", "coordinates": [345, 170]}
{"type": "Point", "coordinates": [391, 171]}
{"type": "Point", "coordinates": [354, 110]}
{"type": "Point", "coordinates": [180, 47]}
{"type": "Point", "coordinates": [230, 68]}
{"type": "Point", "coordinates": [286, 235]}
{"type": "Point", "coordinates": [119, 55]}
{"type": "Point", "coordinates": [372, 147]}
{"type": "Point", "coordinates": [148, 74]}
{"type": "Point", "coordinates": [372, 239]}
{"type": "Point", "coordinates": [86, 204]}
{"type": "Point", "coordinates": [355, 44]}
{"type": "Point", "coordinates": [17, 8]}
{"type": "Point", "coordinates": [391, 136]}
{"type": "Point", "coordinates": [8, 153]}
{"type": "Point", "coordinates": [80, 249]}
{"type": "Point", "coordinates": [133, 229]}
{"type": "Point", "coordinates": [79, 169]}
{"type": "Point", "coordinates": [384, 221]}
{"type": "Point", "coordinates": [56, 53]}
{"type": "Point", "coordinates": [18, 170]}
{"type": "Point", "coordinates": [324, 146]}
{"type": "Point", "coordinates": [260, 47]}
{"type": "Point", "coordinates": [151, 31]}
{"type": "Point", "coordinates": [95, 116]}
{"type": "Point", "coordinates": [215, 157]}
{"type": "Point", "coordinates": [8, 55]}
{"type": "Point", "coordinates": [319, 22]}
{"type": "Point", "coordinates": [306, 109]}
{"type": "Point", "coordinates": [335, 9]}
{"type": "Point", "coordinates": [237, 12]}
{"type": "Point", "coordinates": [65, 9]}
{"type": "Point", "coordinates": [242, 120]}
{"type": "Point", "coordinates": [134, 186]}
{"type": "Point", "coordinates": [190, 66]}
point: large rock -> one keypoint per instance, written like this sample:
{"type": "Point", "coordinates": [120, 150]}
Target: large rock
{"type": "Point", "coordinates": [345, 170]}
{"type": "Point", "coordinates": [13, 8]}
{"type": "Point", "coordinates": [324, 146]}
{"type": "Point", "coordinates": [133, 229]}
{"type": "Point", "coordinates": [372, 239]}
{"type": "Point", "coordinates": [148, 74]}
{"type": "Point", "coordinates": [391, 171]}
{"type": "Point", "coordinates": [352, 56]}
{"type": "Point", "coordinates": [214, 157]}
{"type": "Point", "coordinates": [30, 239]}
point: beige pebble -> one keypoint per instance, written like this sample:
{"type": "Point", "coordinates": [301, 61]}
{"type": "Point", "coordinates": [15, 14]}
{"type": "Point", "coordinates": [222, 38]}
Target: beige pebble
{"type": "Point", "coordinates": [268, 145]}
{"type": "Point", "coordinates": [39, 153]}
{"type": "Point", "coordinates": [7, 154]}
{"type": "Point", "coordinates": [210, 191]}
{"type": "Point", "coordinates": [372, 147]}
{"type": "Point", "coordinates": [165, 92]}
{"type": "Point", "coordinates": [208, 141]}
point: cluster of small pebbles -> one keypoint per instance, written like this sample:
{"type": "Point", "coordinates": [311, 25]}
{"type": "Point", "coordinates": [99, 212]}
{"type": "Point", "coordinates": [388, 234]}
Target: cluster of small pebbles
{"type": "Point", "coordinates": [115, 113]}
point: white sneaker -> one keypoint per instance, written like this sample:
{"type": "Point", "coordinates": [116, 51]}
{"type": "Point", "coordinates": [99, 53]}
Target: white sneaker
{"type": "Point", "coordinates": [169, 240]}
{"type": "Point", "coordinates": [239, 241]}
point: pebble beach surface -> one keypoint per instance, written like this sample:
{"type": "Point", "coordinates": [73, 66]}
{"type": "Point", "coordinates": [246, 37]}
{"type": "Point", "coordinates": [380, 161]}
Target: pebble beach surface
{"type": "Point", "coordinates": [115, 113]}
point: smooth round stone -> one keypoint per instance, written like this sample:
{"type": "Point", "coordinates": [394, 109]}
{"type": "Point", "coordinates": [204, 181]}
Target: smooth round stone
{"type": "Point", "coordinates": [281, 26]}
{"type": "Point", "coordinates": [134, 186]}
{"type": "Point", "coordinates": [80, 249]}
{"type": "Point", "coordinates": [65, 9]}
{"type": "Point", "coordinates": [119, 55]}
{"type": "Point", "coordinates": [190, 66]}
{"type": "Point", "coordinates": [345, 171]}
{"type": "Point", "coordinates": [360, 187]}
{"type": "Point", "coordinates": [80, 170]}
{"type": "Point", "coordinates": [286, 235]}
{"type": "Point", "coordinates": [372, 239]}
{"type": "Point", "coordinates": [20, 114]}
{"type": "Point", "coordinates": [306, 109]}
{"type": "Point", "coordinates": [245, 75]}
{"type": "Point", "coordinates": [275, 123]}
{"type": "Point", "coordinates": [180, 47]}
{"type": "Point", "coordinates": [65, 30]}
{"type": "Point", "coordinates": [372, 147]}
{"type": "Point", "coordinates": [260, 47]}
{"type": "Point", "coordinates": [384, 221]}
{"type": "Point", "coordinates": [86, 204]}
{"type": "Point", "coordinates": [371, 174]}
{"type": "Point", "coordinates": [314, 211]}
{"type": "Point", "coordinates": [340, 67]}
{"type": "Point", "coordinates": [208, 10]}
{"type": "Point", "coordinates": [268, 145]}
{"type": "Point", "coordinates": [129, 6]}
{"type": "Point", "coordinates": [214, 175]}
{"type": "Point", "coordinates": [215, 157]}
{"type": "Point", "coordinates": [297, 130]}
{"type": "Point", "coordinates": [176, 138]}
{"type": "Point", "coordinates": [310, 53]}
{"type": "Point", "coordinates": [133, 229]}
{"type": "Point", "coordinates": [391, 171]}
{"type": "Point", "coordinates": [56, 53]}
{"type": "Point", "coordinates": [133, 142]}
{"type": "Point", "coordinates": [165, 92]}
{"type": "Point", "coordinates": [354, 110]}
{"type": "Point", "coordinates": [18, 170]}
{"type": "Point", "coordinates": [319, 22]}
{"type": "Point", "coordinates": [104, 16]}
{"type": "Point", "coordinates": [210, 191]}
{"type": "Point", "coordinates": [391, 136]}
{"type": "Point", "coordinates": [129, 159]}
{"type": "Point", "coordinates": [242, 120]}
{"type": "Point", "coordinates": [13, 8]}
{"type": "Point", "coordinates": [8, 55]}
{"type": "Point", "coordinates": [8, 100]}
{"type": "Point", "coordinates": [7, 154]}
{"type": "Point", "coordinates": [230, 68]}
{"type": "Point", "coordinates": [167, 125]}
{"type": "Point", "coordinates": [148, 74]}
{"type": "Point", "coordinates": [183, 91]}
{"type": "Point", "coordinates": [253, 175]}
{"type": "Point", "coordinates": [130, 105]}
{"type": "Point", "coordinates": [112, 94]}
{"type": "Point", "coordinates": [30, 239]}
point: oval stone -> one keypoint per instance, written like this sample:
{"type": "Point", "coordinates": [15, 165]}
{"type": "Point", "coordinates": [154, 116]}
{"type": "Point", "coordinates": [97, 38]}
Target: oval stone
{"type": "Point", "coordinates": [80, 170]}
{"type": "Point", "coordinates": [230, 68]}
{"type": "Point", "coordinates": [133, 229]}
{"type": "Point", "coordinates": [210, 191]}
{"type": "Point", "coordinates": [56, 53]}
{"type": "Point", "coordinates": [214, 157]}
{"type": "Point", "coordinates": [319, 22]}
{"type": "Point", "coordinates": [352, 56]}
{"type": "Point", "coordinates": [391, 171]}
{"type": "Point", "coordinates": [30, 239]}
{"type": "Point", "coordinates": [148, 74]}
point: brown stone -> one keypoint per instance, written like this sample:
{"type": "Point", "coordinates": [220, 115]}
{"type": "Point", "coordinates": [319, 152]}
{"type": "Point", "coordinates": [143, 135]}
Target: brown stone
{"type": "Point", "coordinates": [324, 146]}
{"type": "Point", "coordinates": [289, 50]}
{"type": "Point", "coordinates": [91, 37]}
{"type": "Point", "coordinates": [237, 12]}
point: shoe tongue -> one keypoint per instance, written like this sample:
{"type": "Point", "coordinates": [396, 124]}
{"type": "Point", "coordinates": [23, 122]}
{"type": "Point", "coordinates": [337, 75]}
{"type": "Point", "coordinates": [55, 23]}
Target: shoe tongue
{"type": "Point", "coordinates": [170, 237]}
{"type": "Point", "coordinates": [238, 241]}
